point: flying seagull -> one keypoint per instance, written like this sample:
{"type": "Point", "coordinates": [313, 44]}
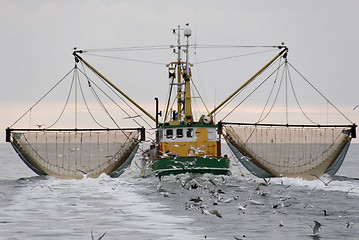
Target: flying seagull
{"type": "Point", "coordinates": [99, 237]}
{"type": "Point", "coordinates": [325, 183]}
{"type": "Point", "coordinates": [129, 117]}
{"type": "Point", "coordinates": [42, 186]}
{"type": "Point", "coordinates": [315, 228]}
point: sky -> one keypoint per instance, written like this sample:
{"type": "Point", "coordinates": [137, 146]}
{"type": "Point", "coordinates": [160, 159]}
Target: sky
{"type": "Point", "coordinates": [38, 37]}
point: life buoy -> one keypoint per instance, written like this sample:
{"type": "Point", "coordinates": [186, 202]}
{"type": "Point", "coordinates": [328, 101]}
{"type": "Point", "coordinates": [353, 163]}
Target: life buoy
{"type": "Point", "coordinates": [206, 120]}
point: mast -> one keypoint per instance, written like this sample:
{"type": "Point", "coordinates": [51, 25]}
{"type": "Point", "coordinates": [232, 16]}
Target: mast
{"type": "Point", "coordinates": [181, 71]}
{"type": "Point", "coordinates": [187, 78]}
{"type": "Point", "coordinates": [179, 87]}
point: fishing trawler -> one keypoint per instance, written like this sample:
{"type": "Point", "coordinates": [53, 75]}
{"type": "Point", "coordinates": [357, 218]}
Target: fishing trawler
{"type": "Point", "coordinates": [184, 144]}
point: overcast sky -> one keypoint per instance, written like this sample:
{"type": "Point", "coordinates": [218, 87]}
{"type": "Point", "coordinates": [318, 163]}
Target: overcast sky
{"type": "Point", "coordinates": [37, 38]}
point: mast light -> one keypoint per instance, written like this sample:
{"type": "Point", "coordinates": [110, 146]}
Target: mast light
{"type": "Point", "coordinates": [187, 31]}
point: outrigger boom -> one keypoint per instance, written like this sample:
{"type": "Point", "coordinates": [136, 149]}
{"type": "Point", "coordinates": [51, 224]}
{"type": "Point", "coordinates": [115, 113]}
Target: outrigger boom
{"type": "Point", "coordinates": [283, 52]}
{"type": "Point", "coordinates": [78, 58]}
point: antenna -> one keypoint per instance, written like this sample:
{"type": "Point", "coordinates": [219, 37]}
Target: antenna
{"type": "Point", "coordinates": [187, 33]}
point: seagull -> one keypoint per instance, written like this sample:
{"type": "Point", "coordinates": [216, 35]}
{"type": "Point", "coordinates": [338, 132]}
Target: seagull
{"type": "Point", "coordinates": [254, 202]}
{"type": "Point", "coordinates": [315, 228]}
{"type": "Point", "coordinates": [81, 171]}
{"type": "Point", "coordinates": [112, 157]}
{"type": "Point", "coordinates": [325, 183]}
{"type": "Point", "coordinates": [240, 207]}
{"type": "Point", "coordinates": [215, 212]}
{"type": "Point", "coordinates": [227, 200]}
{"type": "Point", "coordinates": [349, 191]}
{"type": "Point", "coordinates": [99, 237]}
{"type": "Point", "coordinates": [64, 156]}
{"type": "Point", "coordinates": [275, 206]}
{"type": "Point", "coordinates": [325, 212]}
{"type": "Point", "coordinates": [129, 117]}
{"type": "Point", "coordinates": [205, 211]}
{"type": "Point", "coordinates": [115, 211]}
{"type": "Point", "coordinates": [42, 186]}
{"type": "Point", "coordinates": [211, 181]}
{"type": "Point", "coordinates": [196, 200]}
{"type": "Point", "coordinates": [237, 238]}
{"type": "Point", "coordinates": [74, 149]}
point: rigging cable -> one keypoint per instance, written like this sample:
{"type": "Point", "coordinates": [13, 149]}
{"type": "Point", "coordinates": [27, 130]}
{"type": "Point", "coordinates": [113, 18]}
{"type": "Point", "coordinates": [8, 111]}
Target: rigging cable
{"type": "Point", "coordinates": [248, 94]}
{"type": "Point", "coordinates": [269, 96]}
{"type": "Point", "coordinates": [154, 47]}
{"type": "Point", "coordinates": [236, 56]}
{"type": "Point", "coordinates": [173, 103]}
{"type": "Point", "coordinates": [103, 106]}
{"type": "Point", "coordinates": [235, 46]}
{"type": "Point", "coordinates": [286, 92]}
{"type": "Point", "coordinates": [29, 110]}
{"type": "Point", "coordinates": [199, 95]}
{"type": "Point", "coordinates": [87, 107]}
{"type": "Point", "coordinates": [226, 104]}
{"type": "Point", "coordinates": [320, 93]}
{"type": "Point", "coordinates": [96, 95]}
{"type": "Point", "coordinates": [67, 99]}
{"type": "Point", "coordinates": [160, 63]}
{"type": "Point", "coordinates": [164, 117]}
{"type": "Point", "coordinates": [296, 99]}
{"type": "Point", "coordinates": [100, 102]}
{"type": "Point", "coordinates": [126, 59]}
{"type": "Point", "coordinates": [276, 96]}
{"type": "Point", "coordinates": [76, 76]}
{"type": "Point", "coordinates": [119, 98]}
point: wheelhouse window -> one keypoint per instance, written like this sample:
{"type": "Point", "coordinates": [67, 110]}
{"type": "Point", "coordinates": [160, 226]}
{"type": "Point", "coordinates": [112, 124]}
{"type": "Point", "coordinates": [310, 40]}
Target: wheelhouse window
{"type": "Point", "coordinates": [169, 133]}
{"type": "Point", "coordinates": [189, 132]}
{"type": "Point", "coordinates": [179, 133]}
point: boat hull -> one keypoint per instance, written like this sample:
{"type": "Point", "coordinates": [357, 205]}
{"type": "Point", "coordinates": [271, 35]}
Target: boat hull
{"type": "Point", "coordinates": [191, 164]}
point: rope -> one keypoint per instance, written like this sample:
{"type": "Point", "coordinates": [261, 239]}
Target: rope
{"type": "Point", "coordinates": [199, 95]}
{"type": "Point", "coordinates": [269, 96]}
{"type": "Point", "coordinates": [247, 95]}
{"type": "Point", "coordinates": [296, 99]}
{"type": "Point", "coordinates": [90, 86]}
{"type": "Point", "coordinates": [127, 59]}
{"type": "Point", "coordinates": [166, 47]}
{"type": "Point", "coordinates": [106, 84]}
{"type": "Point", "coordinates": [75, 105]}
{"type": "Point", "coordinates": [87, 107]}
{"type": "Point", "coordinates": [102, 105]}
{"type": "Point", "coordinates": [67, 99]}
{"type": "Point", "coordinates": [169, 112]}
{"type": "Point", "coordinates": [154, 47]}
{"type": "Point", "coordinates": [231, 57]}
{"type": "Point", "coordinates": [286, 94]}
{"type": "Point", "coordinates": [29, 110]}
{"type": "Point", "coordinates": [164, 117]}
{"type": "Point", "coordinates": [236, 46]}
{"type": "Point", "coordinates": [100, 102]}
{"type": "Point", "coordinates": [320, 93]}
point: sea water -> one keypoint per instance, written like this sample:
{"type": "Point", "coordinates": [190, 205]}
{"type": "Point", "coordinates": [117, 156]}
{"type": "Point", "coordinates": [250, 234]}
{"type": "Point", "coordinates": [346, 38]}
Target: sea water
{"type": "Point", "coordinates": [186, 206]}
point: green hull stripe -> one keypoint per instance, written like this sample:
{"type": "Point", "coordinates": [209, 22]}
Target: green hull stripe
{"type": "Point", "coordinates": [214, 165]}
